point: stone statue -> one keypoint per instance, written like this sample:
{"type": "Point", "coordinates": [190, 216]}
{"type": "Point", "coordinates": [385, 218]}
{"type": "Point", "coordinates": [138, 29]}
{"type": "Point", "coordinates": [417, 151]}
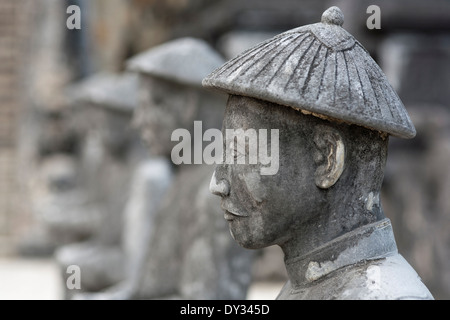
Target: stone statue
{"type": "Point", "coordinates": [110, 151]}
{"type": "Point", "coordinates": [53, 184]}
{"type": "Point", "coordinates": [334, 111]}
{"type": "Point", "coordinates": [181, 247]}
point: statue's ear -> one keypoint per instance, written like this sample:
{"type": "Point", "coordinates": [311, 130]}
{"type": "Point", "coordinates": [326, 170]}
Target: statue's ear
{"type": "Point", "coordinates": [329, 156]}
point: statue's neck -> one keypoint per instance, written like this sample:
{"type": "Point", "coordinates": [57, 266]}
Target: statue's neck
{"type": "Point", "coordinates": [369, 242]}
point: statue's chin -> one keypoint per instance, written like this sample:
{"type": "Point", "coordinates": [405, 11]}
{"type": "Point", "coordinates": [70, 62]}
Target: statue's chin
{"type": "Point", "coordinates": [245, 241]}
{"type": "Point", "coordinates": [232, 235]}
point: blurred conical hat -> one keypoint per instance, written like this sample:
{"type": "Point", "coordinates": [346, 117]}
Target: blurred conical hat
{"type": "Point", "coordinates": [108, 90]}
{"type": "Point", "coordinates": [318, 68]}
{"type": "Point", "coordinates": [184, 60]}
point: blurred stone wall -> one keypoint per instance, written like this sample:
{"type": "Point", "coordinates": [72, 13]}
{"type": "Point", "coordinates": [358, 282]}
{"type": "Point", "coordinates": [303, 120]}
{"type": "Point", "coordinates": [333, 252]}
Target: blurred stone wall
{"type": "Point", "coordinates": [13, 34]}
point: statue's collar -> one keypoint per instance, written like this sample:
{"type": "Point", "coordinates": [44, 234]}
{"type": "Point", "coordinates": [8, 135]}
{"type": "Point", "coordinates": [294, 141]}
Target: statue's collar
{"type": "Point", "coordinates": [370, 242]}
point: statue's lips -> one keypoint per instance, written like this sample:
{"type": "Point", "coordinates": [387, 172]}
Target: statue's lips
{"type": "Point", "coordinates": [231, 214]}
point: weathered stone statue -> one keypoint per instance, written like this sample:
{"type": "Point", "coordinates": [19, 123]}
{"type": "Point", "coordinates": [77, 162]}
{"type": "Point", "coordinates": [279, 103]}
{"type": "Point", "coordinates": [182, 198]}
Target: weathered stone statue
{"type": "Point", "coordinates": [110, 150]}
{"type": "Point", "coordinates": [180, 248]}
{"type": "Point", "coordinates": [334, 110]}
{"type": "Point", "coordinates": [53, 185]}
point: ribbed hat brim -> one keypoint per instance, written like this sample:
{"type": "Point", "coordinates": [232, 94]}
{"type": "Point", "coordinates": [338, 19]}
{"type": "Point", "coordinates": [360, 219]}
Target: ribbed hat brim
{"type": "Point", "coordinates": [321, 69]}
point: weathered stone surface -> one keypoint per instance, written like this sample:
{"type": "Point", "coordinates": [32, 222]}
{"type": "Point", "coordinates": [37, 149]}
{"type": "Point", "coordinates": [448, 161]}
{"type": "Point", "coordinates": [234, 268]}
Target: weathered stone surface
{"type": "Point", "coordinates": [328, 220]}
{"type": "Point", "coordinates": [319, 68]}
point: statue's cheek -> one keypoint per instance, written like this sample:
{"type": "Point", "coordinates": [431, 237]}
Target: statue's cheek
{"type": "Point", "coordinates": [256, 189]}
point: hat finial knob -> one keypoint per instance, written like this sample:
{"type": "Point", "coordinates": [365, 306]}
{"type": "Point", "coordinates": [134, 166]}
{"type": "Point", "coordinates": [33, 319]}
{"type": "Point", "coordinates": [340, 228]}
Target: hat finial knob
{"type": "Point", "coordinates": [333, 15]}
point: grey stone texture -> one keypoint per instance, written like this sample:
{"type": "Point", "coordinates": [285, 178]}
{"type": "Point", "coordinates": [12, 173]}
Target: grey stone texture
{"type": "Point", "coordinates": [319, 68]}
{"type": "Point", "coordinates": [323, 206]}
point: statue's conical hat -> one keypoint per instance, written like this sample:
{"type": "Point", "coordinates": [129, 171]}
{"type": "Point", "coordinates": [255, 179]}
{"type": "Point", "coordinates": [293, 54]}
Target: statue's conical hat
{"type": "Point", "coordinates": [319, 68]}
{"type": "Point", "coordinates": [184, 60]}
{"type": "Point", "coordinates": [108, 90]}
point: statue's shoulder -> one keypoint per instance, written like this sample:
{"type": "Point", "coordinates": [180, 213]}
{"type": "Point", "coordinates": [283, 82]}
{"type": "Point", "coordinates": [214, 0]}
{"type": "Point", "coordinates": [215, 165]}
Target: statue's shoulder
{"type": "Point", "coordinates": [390, 278]}
{"type": "Point", "coordinates": [393, 278]}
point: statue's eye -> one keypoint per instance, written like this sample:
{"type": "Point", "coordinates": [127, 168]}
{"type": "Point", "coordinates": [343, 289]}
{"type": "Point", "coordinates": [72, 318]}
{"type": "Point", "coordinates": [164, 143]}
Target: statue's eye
{"type": "Point", "coordinates": [239, 157]}
{"type": "Point", "coordinates": [236, 152]}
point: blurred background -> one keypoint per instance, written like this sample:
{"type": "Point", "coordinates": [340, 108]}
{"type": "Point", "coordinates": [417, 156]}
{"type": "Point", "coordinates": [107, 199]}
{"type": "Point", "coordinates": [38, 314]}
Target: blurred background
{"type": "Point", "coordinates": [42, 138]}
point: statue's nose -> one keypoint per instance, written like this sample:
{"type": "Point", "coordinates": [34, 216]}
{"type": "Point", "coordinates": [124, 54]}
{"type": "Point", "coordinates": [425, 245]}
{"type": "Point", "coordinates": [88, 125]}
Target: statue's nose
{"type": "Point", "coordinates": [221, 188]}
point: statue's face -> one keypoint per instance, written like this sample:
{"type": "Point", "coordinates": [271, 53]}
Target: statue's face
{"type": "Point", "coordinates": [107, 129]}
{"type": "Point", "coordinates": [264, 210]}
{"type": "Point", "coordinates": [117, 134]}
{"type": "Point", "coordinates": [164, 107]}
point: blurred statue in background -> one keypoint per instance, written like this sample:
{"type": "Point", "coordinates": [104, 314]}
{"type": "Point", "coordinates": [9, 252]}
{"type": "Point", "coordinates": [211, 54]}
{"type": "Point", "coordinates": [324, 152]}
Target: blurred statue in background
{"type": "Point", "coordinates": [110, 151]}
{"type": "Point", "coordinates": [334, 110]}
{"type": "Point", "coordinates": [53, 185]}
{"type": "Point", "coordinates": [181, 247]}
